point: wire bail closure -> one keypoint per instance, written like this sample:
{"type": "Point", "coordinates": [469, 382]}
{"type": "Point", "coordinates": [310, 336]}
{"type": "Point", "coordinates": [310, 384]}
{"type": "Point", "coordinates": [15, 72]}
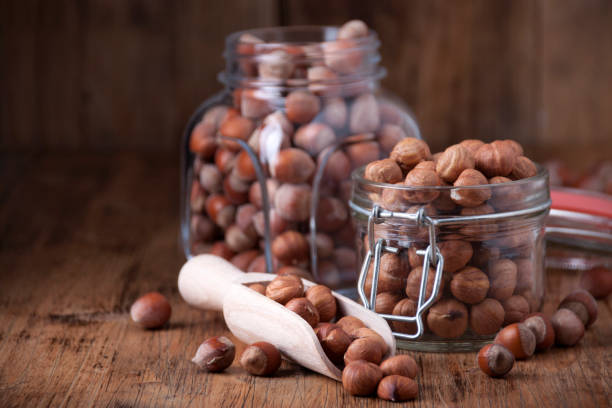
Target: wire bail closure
{"type": "Point", "coordinates": [431, 256]}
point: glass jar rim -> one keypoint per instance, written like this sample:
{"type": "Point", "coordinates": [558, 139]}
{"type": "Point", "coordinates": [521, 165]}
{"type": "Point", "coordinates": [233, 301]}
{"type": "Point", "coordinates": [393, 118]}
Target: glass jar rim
{"type": "Point", "coordinates": [358, 177]}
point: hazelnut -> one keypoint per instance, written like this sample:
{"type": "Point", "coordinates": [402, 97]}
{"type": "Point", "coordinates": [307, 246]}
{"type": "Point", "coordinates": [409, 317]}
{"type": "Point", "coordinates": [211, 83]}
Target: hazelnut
{"type": "Point", "coordinates": [221, 249]}
{"type": "Point", "coordinates": [258, 287]}
{"type": "Point", "coordinates": [456, 255]}
{"type": "Point", "coordinates": [481, 230]}
{"type": "Point", "coordinates": [244, 259]}
{"type": "Point", "coordinates": [332, 214]}
{"type": "Point", "coordinates": [352, 29]}
{"type": "Point", "coordinates": [334, 341]}
{"type": "Point", "coordinates": [472, 197]}
{"type": "Point", "coordinates": [470, 285]}
{"type": "Point", "coordinates": [255, 103]}
{"type": "Point", "coordinates": [215, 354]}
{"type": "Point", "coordinates": [495, 159]}
{"type": "Point", "coordinates": [421, 178]}
{"type": "Point", "coordinates": [329, 274]}
{"type": "Point", "coordinates": [495, 360]}
{"type": "Point", "coordinates": [292, 166]}
{"type": "Point", "coordinates": [220, 210]}
{"type": "Point", "coordinates": [236, 190]}
{"type": "Point", "coordinates": [197, 197]}
{"type": "Point", "coordinates": [413, 284]}
{"type": "Point", "coordinates": [486, 317]}
{"type": "Point", "coordinates": [284, 288]}
{"type": "Point", "coordinates": [472, 145]}
{"type": "Point", "coordinates": [261, 358]}
{"type": "Point", "coordinates": [505, 196]}
{"type": "Point", "coordinates": [201, 228]}
{"type": "Point", "coordinates": [259, 264]}
{"type": "Point", "coordinates": [410, 151]}
{"type": "Point", "coordinates": [276, 65]}
{"type": "Point", "coordinates": [225, 160]}
{"type": "Point", "coordinates": [278, 224]}
{"type": "Point", "coordinates": [397, 388]}
{"type": "Point", "coordinates": [389, 135]}
{"type": "Point", "coordinates": [448, 318]}
{"type": "Point", "coordinates": [588, 312]}
{"type": "Point", "coordinates": [568, 327]}
{"type": "Point", "coordinates": [291, 247]}
{"type": "Point", "coordinates": [292, 202]}
{"type": "Point", "coordinates": [453, 161]}
{"type": "Point", "coordinates": [324, 328]}
{"type": "Point", "coordinates": [363, 349]}
{"type": "Point", "coordinates": [523, 168]}
{"type": "Point", "coordinates": [305, 309]}
{"type": "Point", "coordinates": [385, 302]}
{"type": "Point", "coordinates": [391, 274]}
{"type": "Point", "coordinates": [383, 171]}
{"type": "Point", "coordinates": [516, 308]}
{"type": "Point", "coordinates": [210, 178]}
{"type": "Point", "coordinates": [405, 307]}
{"type": "Point", "coordinates": [151, 310]}
{"type": "Point", "coordinates": [338, 166]}
{"type": "Point", "coordinates": [343, 56]}
{"type": "Point", "coordinates": [318, 79]}
{"type": "Point", "coordinates": [364, 116]}
{"type": "Point", "coordinates": [362, 153]}
{"type": "Point", "coordinates": [484, 255]}
{"type": "Point", "coordinates": [502, 279]}
{"type": "Point", "coordinates": [515, 146]}
{"type": "Point", "coordinates": [238, 240]}
{"type": "Point", "coordinates": [597, 281]}
{"type": "Point", "coordinates": [296, 271]}
{"type": "Point", "coordinates": [350, 324]}
{"type": "Point", "coordinates": [517, 338]}
{"type": "Point", "coordinates": [314, 137]}
{"type": "Point", "coordinates": [255, 196]}
{"type": "Point", "coordinates": [401, 364]}
{"type": "Point", "coordinates": [393, 198]}
{"type": "Point", "coordinates": [245, 169]}
{"type": "Point", "coordinates": [365, 332]}
{"type": "Point", "coordinates": [302, 106]}
{"type": "Point", "coordinates": [542, 329]}
{"type": "Point", "coordinates": [325, 245]}
{"type": "Point", "coordinates": [323, 300]}
{"type": "Point", "coordinates": [335, 113]}
{"type": "Point", "coordinates": [361, 377]}
{"type": "Point", "coordinates": [236, 127]}
{"type": "Point", "coordinates": [244, 217]}
{"type": "Point", "coordinates": [202, 141]}
{"type": "Point", "coordinates": [426, 165]}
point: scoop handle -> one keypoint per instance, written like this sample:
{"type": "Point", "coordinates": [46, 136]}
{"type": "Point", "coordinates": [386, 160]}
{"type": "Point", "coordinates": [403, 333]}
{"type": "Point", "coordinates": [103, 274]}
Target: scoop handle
{"type": "Point", "coordinates": [204, 281]}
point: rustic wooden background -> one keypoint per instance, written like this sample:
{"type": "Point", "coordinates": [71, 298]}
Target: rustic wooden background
{"type": "Point", "coordinates": [105, 75]}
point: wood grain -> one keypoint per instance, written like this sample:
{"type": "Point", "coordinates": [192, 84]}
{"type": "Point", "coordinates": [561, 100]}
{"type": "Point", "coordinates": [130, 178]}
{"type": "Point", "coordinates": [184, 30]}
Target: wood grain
{"type": "Point", "coordinates": [82, 236]}
{"type": "Point", "coordinates": [116, 75]}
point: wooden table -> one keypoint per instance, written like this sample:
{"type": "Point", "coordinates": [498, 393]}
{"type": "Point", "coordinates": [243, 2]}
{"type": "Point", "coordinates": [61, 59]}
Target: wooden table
{"type": "Point", "coordinates": [82, 236]}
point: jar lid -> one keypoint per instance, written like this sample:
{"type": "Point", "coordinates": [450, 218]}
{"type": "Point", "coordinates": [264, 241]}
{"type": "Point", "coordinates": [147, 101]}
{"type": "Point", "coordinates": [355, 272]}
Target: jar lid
{"type": "Point", "coordinates": [580, 221]}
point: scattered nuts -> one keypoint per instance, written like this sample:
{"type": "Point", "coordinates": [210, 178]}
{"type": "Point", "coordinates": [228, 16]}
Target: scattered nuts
{"type": "Point", "coordinates": [261, 358]}
{"type": "Point", "coordinates": [401, 364]}
{"type": "Point", "coordinates": [583, 304]}
{"type": "Point", "coordinates": [542, 329]}
{"type": "Point", "coordinates": [215, 354]}
{"type": "Point", "coordinates": [361, 378]}
{"type": "Point", "coordinates": [519, 339]}
{"type": "Point", "coordinates": [323, 300]}
{"type": "Point", "coordinates": [397, 388]}
{"type": "Point", "coordinates": [448, 318]}
{"type": "Point", "coordinates": [495, 360]}
{"type": "Point", "coordinates": [305, 309]}
{"type": "Point", "coordinates": [151, 310]}
{"type": "Point", "coordinates": [486, 317]}
{"type": "Point", "coordinates": [568, 327]}
{"type": "Point", "coordinates": [598, 281]}
{"type": "Point", "coordinates": [284, 288]}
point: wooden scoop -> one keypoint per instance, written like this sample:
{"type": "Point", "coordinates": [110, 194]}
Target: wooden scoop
{"type": "Point", "coordinates": [210, 282]}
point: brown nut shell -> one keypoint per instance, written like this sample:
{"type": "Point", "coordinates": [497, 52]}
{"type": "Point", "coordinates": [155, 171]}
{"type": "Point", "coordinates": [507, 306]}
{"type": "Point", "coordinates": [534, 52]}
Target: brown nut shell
{"type": "Point", "coordinates": [397, 388]}
{"type": "Point", "coordinates": [517, 338]}
{"type": "Point", "coordinates": [470, 285]}
{"type": "Point", "coordinates": [495, 360]}
{"type": "Point", "coordinates": [261, 358]}
{"type": "Point", "coordinates": [568, 327]}
{"type": "Point", "coordinates": [448, 318]}
{"type": "Point", "coordinates": [151, 310]}
{"type": "Point", "coordinates": [486, 317]}
{"type": "Point", "coordinates": [215, 354]}
{"type": "Point", "coordinates": [350, 324]}
{"type": "Point", "coordinates": [361, 378]}
{"type": "Point", "coordinates": [401, 364]}
{"type": "Point", "coordinates": [305, 309]}
{"type": "Point", "coordinates": [583, 297]}
{"type": "Point", "coordinates": [542, 329]}
{"type": "Point", "coordinates": [363, 349]}
{"type": "Point", "coordinates": [284, 288]}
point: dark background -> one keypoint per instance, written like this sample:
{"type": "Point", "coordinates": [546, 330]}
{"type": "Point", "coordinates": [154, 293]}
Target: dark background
{"type": "Point", "coordinates": [99, 75]}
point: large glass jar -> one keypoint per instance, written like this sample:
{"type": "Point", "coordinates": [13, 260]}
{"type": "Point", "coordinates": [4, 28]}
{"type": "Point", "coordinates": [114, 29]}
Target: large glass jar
{"type": "Point", "coordinates": [448, 276]}
{"type": "Point", "coordinates": [267, 161]}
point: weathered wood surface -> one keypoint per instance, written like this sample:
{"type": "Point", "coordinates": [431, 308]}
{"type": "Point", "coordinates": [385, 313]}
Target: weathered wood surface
{"type": "Point", "coordinates": [82, 236]}
{"type": "Point", "coordinates": [107, 75]}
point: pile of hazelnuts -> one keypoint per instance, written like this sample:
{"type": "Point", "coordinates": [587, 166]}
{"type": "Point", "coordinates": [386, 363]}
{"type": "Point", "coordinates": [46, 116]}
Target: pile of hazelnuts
{"type": "Point", "coordinates": [490, 274]}
{"type": "Point", "coordinates": [576, 312]}
{"type": "Point", "coordinates": [291, 132]}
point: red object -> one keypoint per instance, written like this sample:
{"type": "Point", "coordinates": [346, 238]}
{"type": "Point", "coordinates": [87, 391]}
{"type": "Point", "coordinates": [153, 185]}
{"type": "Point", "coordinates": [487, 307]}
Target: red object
{"type": "Point", "coordinates": [582, 202]}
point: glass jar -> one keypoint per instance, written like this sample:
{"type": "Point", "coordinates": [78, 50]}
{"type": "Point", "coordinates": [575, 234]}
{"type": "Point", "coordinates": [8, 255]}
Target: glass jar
{"type": "Point", "coordinates": [267, 161]}
{"type": "Point", "coordinates": [446, 276]}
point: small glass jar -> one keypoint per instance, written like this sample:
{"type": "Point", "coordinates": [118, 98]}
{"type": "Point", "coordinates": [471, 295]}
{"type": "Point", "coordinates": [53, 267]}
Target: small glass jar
{"type": "Point", "coordinates": [267, 161]}
{"type": "Point", "coordinates": [446, 276]}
